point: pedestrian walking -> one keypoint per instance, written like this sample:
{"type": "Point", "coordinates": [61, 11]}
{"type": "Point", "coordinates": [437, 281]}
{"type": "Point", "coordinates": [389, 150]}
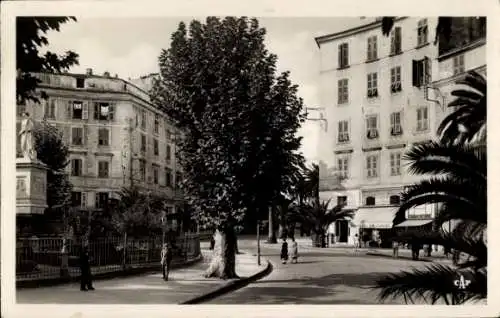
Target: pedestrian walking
{"type": "Point", "coordinates": [86, 275]}
{"type": "Point", "coordinates": [415, 249]}
{"type": "Point", "coordinates": [395, 249]}
{"type": "Point", "coordinates": [284, 252]}
{"type": "Point", "coordinates": [166, 259]}
{"type": "Point", "coordinates": [294, 251]}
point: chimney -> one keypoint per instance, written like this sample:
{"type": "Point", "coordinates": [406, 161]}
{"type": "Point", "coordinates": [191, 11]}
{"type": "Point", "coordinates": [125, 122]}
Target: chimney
{"type": "Point", "coordinates": [116, 75]}
{"type": "Point", "coordinates": [89, 71]}
{"type": "Point", "coordinates": [106, 74]}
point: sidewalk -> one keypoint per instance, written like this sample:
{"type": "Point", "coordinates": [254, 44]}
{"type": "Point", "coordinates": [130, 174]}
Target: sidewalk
{"type": "Point", "coordinates": [184, 284]}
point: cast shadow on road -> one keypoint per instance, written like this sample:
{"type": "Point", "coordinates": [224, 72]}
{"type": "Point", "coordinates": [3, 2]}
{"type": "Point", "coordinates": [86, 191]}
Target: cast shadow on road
{"type": "Point", "coordinates": [360, 280]}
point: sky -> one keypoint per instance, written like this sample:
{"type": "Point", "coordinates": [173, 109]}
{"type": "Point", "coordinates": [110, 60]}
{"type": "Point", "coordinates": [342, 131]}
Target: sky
{"type": "Point", "coordinates": [130, 48]}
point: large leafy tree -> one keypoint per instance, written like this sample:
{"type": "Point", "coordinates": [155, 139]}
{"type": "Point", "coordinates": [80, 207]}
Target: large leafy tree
{"type": "Point", "coordinates": [219, 84]}
{"type": "Point", "coordinates": [318, 216]}
{"type": "Point", "coordinates": [52, 151]}
{"type": "Point", "coordinates": [458, 184]}
{"type": "Point", "coordinates": [30, 39]}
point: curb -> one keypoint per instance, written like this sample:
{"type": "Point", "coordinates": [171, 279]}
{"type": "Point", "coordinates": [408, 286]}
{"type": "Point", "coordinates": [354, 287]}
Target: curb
{"type": "Point", "coordinates": [102, 276]}
{"type": "Point", "coordinates": [229, 287]}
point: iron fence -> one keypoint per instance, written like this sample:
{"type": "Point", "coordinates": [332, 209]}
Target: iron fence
{"type": "Point", "coordinates": [53, 257]}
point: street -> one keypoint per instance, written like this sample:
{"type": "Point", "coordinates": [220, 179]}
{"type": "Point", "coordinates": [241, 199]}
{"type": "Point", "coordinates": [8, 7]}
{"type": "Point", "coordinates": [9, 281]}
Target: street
{"type": "Point", "coordinates": [322, 276]}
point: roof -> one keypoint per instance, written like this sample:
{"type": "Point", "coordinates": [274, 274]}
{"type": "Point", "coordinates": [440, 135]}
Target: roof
{"type": "Point", "coordinates": [351, 31]}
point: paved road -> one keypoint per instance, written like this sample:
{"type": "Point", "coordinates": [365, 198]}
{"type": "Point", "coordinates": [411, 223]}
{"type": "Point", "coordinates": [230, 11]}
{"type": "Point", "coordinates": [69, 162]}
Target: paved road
{"type": "Point", "coordinates": [322, 276]}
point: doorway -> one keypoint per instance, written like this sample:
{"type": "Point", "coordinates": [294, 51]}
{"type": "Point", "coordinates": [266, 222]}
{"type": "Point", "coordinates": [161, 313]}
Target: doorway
{"type": "Point", "coordinates": [342, 230]}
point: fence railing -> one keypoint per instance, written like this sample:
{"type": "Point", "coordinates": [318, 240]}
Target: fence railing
{"type": "Point", "coordinates": [53, 257]}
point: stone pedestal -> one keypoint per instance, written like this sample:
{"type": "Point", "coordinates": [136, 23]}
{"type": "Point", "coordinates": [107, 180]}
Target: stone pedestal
{"type": "Point", "coordinates": [31, 187]}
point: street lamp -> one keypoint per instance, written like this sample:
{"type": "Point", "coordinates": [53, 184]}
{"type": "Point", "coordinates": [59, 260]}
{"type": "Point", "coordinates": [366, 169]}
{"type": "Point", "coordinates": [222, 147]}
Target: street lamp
{"type": "Point", "coordinates": [258, 242]}
{"type": "Point", "coordinates": [320, 119]}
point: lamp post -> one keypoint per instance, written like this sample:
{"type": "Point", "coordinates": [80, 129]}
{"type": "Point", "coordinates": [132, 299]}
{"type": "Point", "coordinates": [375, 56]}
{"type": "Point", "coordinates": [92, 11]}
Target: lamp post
{"type": "Point", "coordinates": [320, 119]}
{"type": "Point", "coordinates": [258, 242]}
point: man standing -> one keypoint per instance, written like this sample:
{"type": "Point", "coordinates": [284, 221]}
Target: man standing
{"type": "Point", "coordinates": [166, 259]}
{"type": "Point", "coordinates": [86, 277]}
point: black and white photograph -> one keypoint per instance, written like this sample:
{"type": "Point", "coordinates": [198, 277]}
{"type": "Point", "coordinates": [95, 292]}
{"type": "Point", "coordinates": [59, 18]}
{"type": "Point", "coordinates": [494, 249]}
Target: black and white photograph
{"type": "Point", "coordinates": [245, 159]}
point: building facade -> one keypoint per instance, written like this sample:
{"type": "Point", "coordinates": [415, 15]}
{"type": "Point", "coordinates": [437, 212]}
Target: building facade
{"type": "Point", "coordinates": [373, 89]}
{"type": "Point", "coordinates": [116, 137]}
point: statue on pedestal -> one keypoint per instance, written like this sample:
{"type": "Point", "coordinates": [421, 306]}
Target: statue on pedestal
{"type": "Point", "coordinates": [27, 138]}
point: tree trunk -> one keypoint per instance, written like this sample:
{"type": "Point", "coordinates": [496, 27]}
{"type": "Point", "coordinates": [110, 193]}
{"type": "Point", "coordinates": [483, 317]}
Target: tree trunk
{"type": "Point", "coordinates": [291, 230]}
{"type": "Point", "coordinates": [271, 232]}
{"type": "Point", "coordinates": [318, 238]}
{"type": "Point", "coordinates": [223, 263]}
{"type": "Point", "coordinates": [282, 231]}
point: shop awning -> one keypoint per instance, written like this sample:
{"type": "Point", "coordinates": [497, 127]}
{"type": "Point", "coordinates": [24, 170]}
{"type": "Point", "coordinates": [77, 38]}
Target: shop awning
{"type": "Point", "coordinates": [413, 223]}
{"type": "Point", "coordinates": [374, 218]}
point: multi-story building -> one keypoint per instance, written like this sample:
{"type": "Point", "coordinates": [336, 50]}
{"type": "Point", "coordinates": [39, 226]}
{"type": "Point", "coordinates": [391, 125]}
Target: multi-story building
{"type": "Point", "coordinates": [116, 137]}
{"type": "Point", "coordinates": [373, 89]}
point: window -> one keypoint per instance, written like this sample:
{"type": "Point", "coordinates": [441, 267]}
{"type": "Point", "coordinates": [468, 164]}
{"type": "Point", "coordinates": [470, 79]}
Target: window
{"type": "Point", "coordinates": [396, 129]}
{"type": "Point", "coordinates": [372, 85]}
{"type": "Point", "coordinates": [341, 200]}
{"type": "Point", "coordinates": [101, 200]}
{"type": "Point", "coordinates": [343, 55]}
{"type": "Point", "coordinates": [50, 109]}
{"type": "Point", "coordinates": [103, 169]}
{"type": "Point", "coordinates": [370, 201]}
{"type": "Point", "coordinates": [155, 147]}
{"type": "Point", "coordinates": [76, 198]}
{"type": "Point", "coordinates": [394, 200]}
{"type": "Point", "coordinates": [421, 72]}
{"type": "Point", "coordinates": [422, 32]}
{"type": "Point", "coordinates": [395, 79]}
{"type": "Point", "coordinates": [77, 110]}
{"type": "Point", "coordinates": [343, 135]}
{"type": "Point", "coordinates": [103, 111]}
{"type": "Point", "coordinates": [458, 64]}
{"type": "Point", "coordinates": [142, 170]}
{"type": "Point", "coordinates": [80, 82]}
{"type": "Point", "coordinates": [155, 174]}
{"type": "Point", "coordinates": [343, 167]}
{"type": "Point", "coordinates": [372, 48]}
{"type": "Point", "coordinates": [76, 167]}
{"type": "Point", "coordinates": [395, 164]}
{"type": "Point", "coordinates": [103, 137]}
{"type": "Point", "coordinates": [371, 166]}
{"type": "Point", "coordinates": [168, 155]}
{"type": "Point", "coordinates": [422, 119]}
{"type": "Point", "coordinates": [371, 127]}
{"type": "Point", "coordinates": [168, 177]}
{"type": "Point", "coordinates": [143, 143]}
{"type": "Point", "coordinates": [77, 136]}
{"type": "Point", "coordinates": [157, 124]}
{"type": "Point", "coordinates": [396, 40]}
{"type": "Point", "coordinates": [343, 91]}
{"type": "Point", "coordinates": [143, 119]}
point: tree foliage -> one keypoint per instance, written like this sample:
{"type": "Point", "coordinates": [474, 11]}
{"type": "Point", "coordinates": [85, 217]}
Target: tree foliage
{"type": "Point", "coordinates": [219, 84]}
{"type": "Point", "coordinates": [458, 184]}
{"type": "Point", "coordinates": [52, 151]}
{"type": "Point", "coordinates": [30, 39]}
{"type": "Point", "coordinates": [137, 213]}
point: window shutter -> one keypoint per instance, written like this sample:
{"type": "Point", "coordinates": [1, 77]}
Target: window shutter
{"type": "Point", "coordinates": [415, 73]}
{"type": "Point", "coordinates": [84, 200]}
{"type": "Point", "coordinates": [96, 110]}
{"type": "Point", "coordinates": [85, 135]}
{"type": "Point", "coordinates": [111, 111]}
{"type": "Point", "coordinates": [85, 110]}
{"type": "Point", "coordinates": [69, 107]}
{"type": "Point", "coordinates": [97, 199]}
{"type": "Point", "coordinates": [346, 53]}
{"type": "Point", "coordinates": [428, 70]}
{"type": "Point", "coordinates": [340, 56]}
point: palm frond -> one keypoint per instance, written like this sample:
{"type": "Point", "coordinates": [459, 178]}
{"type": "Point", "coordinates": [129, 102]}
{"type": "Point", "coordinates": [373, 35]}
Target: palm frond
{"type": "Point", "coordinates": [474, 80]}
{"type": "Point", "coordinates": [435, 282]}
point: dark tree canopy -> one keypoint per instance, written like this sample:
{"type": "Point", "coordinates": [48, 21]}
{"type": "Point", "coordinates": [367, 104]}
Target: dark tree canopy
{"type": "Point", "coordinates": [219, 84]}
{"type": "Point", "coordinates": [30, 38]}
{"type": "Point", "coordinates": [52, 151]}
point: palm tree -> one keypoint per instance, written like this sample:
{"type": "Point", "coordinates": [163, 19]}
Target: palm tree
{"type": "Point", "coordinates": [311, 182]}
{"type": "Point", "coordinates": [458, 185]}
{"type": "Point", "coordinates": [318, 216]}
{"type": "Point", "coordinates": [468, 122]}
